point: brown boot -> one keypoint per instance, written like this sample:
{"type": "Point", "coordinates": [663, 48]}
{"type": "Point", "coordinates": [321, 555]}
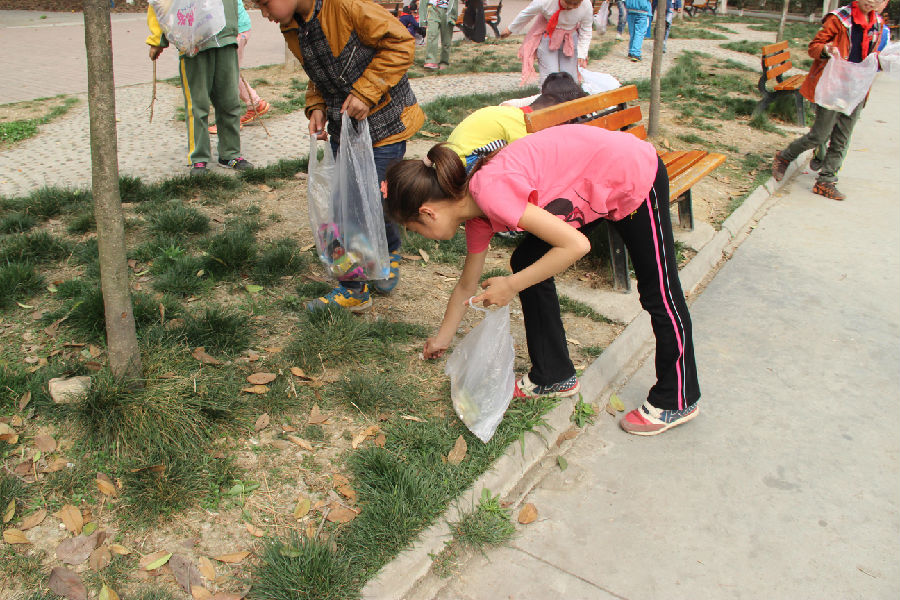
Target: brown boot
{"type": "Point", "coordinates": [828, 189]}
{"type": "Point", "coordinates": [779, 166]}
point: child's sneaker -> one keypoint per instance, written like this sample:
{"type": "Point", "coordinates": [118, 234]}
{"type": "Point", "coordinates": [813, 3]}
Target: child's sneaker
{"type": "Point", "coordinates": [618, 37]}
{"type": "Point", "coordinates": [199, 168]}
{"type": "Point", "coordinates": [238, 164]}
{"type": "Point", "coordinates": [386, 286]}
{"type": "Point", "coordinates": [213, 130]}
{"type": "Point", "coordinates": [779, 166]}
{"type": "Point", "coordinates": [563, 389]}
{"type": "Point", "coordinates": [649, 420]}
{"type": "Point", "coordinates": [352, 300]}
{"type": "Point", "coordinates": [262, 107]}
{"type": "Point", "coordinates": [829, 190]}
{"type": "Point", "coordinates": [431, 66]}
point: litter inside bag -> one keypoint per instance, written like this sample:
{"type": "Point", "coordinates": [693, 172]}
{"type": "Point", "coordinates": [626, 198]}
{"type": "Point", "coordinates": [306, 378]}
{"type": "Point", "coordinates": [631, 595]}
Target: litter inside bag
{"type": "Point", "coordinates": [188, 24]}
{"type": "Point", "coordinates": [890, 59]}
{"type": "Point", "coordinates": [481, 374]}
{"type": "Point", "coordinates": [844, 84]}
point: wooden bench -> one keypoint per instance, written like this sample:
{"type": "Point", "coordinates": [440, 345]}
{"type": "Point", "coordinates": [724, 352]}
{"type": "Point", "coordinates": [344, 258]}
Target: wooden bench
{"type": "Point", "coordinates": [610, 110]}
{"type": "Point", "coordinates": [692, 8]}
{"type": "Point", "coordinates": [776, 61]}
{"type": "Point", "coordinates": [392, 6]}
{"type": "Point", "coordinates": [491, 16]}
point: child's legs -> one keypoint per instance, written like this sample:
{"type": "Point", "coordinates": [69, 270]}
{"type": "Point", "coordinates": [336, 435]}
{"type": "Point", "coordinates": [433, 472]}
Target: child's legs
{"type": "Point", "coordinates": [623, 12]}
{"type": "Point", "coordinates": [224, 93]}
{"type": "Point", "coordinates": [196, 77]}
{"type": "Point", "coordinates": [548, 60]}
{"type": "Point", "coordinates": [544, 331]}
{"type": "Point", "coordinates": [637, 26]}
{"type": "Point", "coordinates": [840, 142]}
{"type": "Point", "coordinates": [648, 237]}
{"type": "Point", "coordinates": [247, 93]}
{"type": "Point", "coordinates": [446, 39]}
{"type": "Point", "coordinates": [568, 64]}
{"type": "Point", "coordinates": [436, 17]}
{"type": "Point", "coordinates": [818, 134]}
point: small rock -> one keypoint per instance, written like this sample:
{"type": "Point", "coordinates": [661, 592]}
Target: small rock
{"type": "Point", "coordinates": [67, 390]}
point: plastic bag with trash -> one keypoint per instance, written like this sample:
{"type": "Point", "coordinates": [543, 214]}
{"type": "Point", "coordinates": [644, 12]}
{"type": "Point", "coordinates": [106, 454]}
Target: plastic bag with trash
{"type": "Point", "coordinates": [843, 84]}
{"type": "Point", "coordinates": [345, 207]}
{"type": "Point", "coordinates": [481, 373]}
{"type": "Point", "coordinates": [890, 59]}
{"type": "Point", "coordinates": [597, 83]}
{"type": "Point", "coordinates": [188, 24]}
{"type": "Point", "coordinates": [602, 17]}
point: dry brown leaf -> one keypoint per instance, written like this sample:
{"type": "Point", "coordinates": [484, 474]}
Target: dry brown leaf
{"type": "Point", "coordinates": [528, 514]}
{"type": "Point", "coordinates": [261, 378]}
{"type": "Point", "coordinates": [26, 467]}
{"type": "Point", "coordinates": [233, 558]}
{"type": "Point", "coordinates": [302, 508]}
{"type": "Point", "coordinates": [316, 417]}
{"type": "Point", "coordinates": [285, 428]}
{"type": "Point", "coordinates": [380, 440]}
{"type": "Point", "coordinates": [6, 429]}
{"type": "Point", "coordinates": [273, 349]}
{"type": "Point", "coordinates": [76, 550]}
{"type": "Point", "coordinates": [14, 536]}
{"type": "Point", "coordinates": [262, 422]}
{"type": "Point", "coordinates": [412, 418]}
{"type": "Point", "coordinates": [100, 558]}
{"type": "Point", "coordinates": [149, 559]}
{"type": "Point", "coordinates": [198, 592]}
{"type": "Point", "coordinates": [254, 530]}
{"type": "Point", "coordinates": [9, 438]}
{"type": "Point", "coordinates": [67, 584]}
{"type": "Point", "coordinates": [340, 514]}
{"type": "Point", "coordinates": [282, 444]}
{"type": "Point", "coordinates": [300, 374]}
{"type": "Point", "coordinates": [338, 480]}
{"type": "Point", "coordinates": [568, 434]}
{"type": "Point", "coordinates": [186, 574]}
{"type": "Point", "coordinates": [411, 257]}
{"type": "Point", "coordinates": [363, 435]}
{"type": "Point", "coordinates": [10, 511]}
{"type": "Point", "coordinates": [110, 593]}
{"type": "Point", "coordinates": [307, 247]}
{"type": "Point", "coordinates": [424, 255]}
{"type": "Point", "coordinates": [300, 442]}
{"type": "Point", "coordinates": [207, 568]}
{"type": "Point", "coordinates": [71, 518]}
{"type": "Point", "coordinates": [256, 389]}
{"type": "Point", "coordinates": [318, 504]}
{"type": "Point", "coordinates": [347, 492]}
{"type": "Point", "coordinates": [201, 355]}
{"type": "Point", "coordinates": [120, 550]}
{"type": "Point", "coordinates": [311, 530]}
{"type": "Point", "coordinates": [33, 520]}
{"type": "Point", "coordinates": [44, 443]}
{"type": "Point", "coordinates": [24, 400]}
{"type": "Point", "coordinates": [16, 421]}
{"type": "Point", "coordinates": [458, 453]}
{"type": "Point", "coordinates": [57, 464]}
{"type": "Point", "coordinates": [106, 485]}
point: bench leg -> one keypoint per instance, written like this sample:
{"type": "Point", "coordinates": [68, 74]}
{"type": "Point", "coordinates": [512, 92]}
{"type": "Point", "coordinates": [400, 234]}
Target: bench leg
{"type": "Point", "coordinates": [763, 104]}
{"type": "Point", "coordinates": [801, 113]}
{"type": "Point", "coordinates": [496, 28]}
{"type": "Point", "coordinates": [686, 211]}
{"type": "Point", "coordinates": [618, 256]}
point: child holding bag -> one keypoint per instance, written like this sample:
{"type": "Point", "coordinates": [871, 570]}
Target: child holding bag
{"type": "Point", "coordinates": [556, 185]}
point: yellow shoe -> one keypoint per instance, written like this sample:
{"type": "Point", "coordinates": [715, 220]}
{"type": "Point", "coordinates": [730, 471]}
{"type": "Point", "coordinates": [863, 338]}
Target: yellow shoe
{"type": "Point", "coordinates": [352, 300]}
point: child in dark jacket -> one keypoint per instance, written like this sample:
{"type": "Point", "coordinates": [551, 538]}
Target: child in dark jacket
{"type": "Point", "coordinates": [412, 25]}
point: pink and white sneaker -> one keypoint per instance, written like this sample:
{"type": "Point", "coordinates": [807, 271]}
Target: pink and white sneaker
{"type": "Point", "coordinates": [649, 420]}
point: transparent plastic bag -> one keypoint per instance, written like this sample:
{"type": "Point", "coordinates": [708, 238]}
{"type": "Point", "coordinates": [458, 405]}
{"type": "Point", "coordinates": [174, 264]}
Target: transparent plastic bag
{"type": "Point", "coordinates": [188, 24]}
{"type": "Point", "coordinates": [597, 83]}
{"type": "Point", "coordinates": [890, 60]}
{"type": "Point", "coordinates": [844, 84]}
{"type": "Point", "coordinates": [601, 17]}
{"type": "Point", "coordinates": [481, 373]}
{"type": "Point", "coordinates": [345, 207]}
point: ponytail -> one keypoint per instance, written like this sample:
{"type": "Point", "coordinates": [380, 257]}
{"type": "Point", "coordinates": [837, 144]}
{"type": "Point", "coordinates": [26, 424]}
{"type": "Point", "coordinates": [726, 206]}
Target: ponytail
{"type": "Point", "coordinates": [412, 182]}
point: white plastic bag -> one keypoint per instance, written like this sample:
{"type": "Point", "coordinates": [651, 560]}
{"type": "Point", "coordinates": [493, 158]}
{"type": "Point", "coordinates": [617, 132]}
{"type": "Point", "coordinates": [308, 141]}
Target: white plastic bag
{"type": "Point", "coordinates": [601, 17]}
{"type": "Point", "coordinates": [188, 24]}
{"type": "Point", "coordinates": [481, 373]}
{"type": "Point", "coordinates": [890, 60]}
{"type": "Point", "coordinates": [596, 83]}
{"type": "Point", "coordinates": [346, 217]}
{"type": "Point", "coordinates": [844, 84]}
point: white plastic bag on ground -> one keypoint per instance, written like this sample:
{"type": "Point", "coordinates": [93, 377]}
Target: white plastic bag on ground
{"type": "Point", "coordinates": [348, 222]}
{"type": "Point", "coordinates": [188, 24]}
{"type": "Point", "coordinates": [596, 83]}
{"type": "Point", "coordinates": [890, 59]}
{"type": "Point", "coordinates": [844, 84]}
{"type": "Point", "coordinates": [481, 373]}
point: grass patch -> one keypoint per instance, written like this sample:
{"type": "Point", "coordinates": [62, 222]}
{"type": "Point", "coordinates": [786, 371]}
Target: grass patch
{"type": "Point", "coordinates": [745, 46]}
{"type": "Point", "coordinates": [179, 219]}
{"type": "Point", "coordinates": [691, 138]}
{"type": "Point", "coordinates": [601, 51]}
{"type": "Point", "coordinates": [580, 309]}
{"type": "Point", "coordinates": [450, 251]}
{"type": "Point", "coordinates": [496, 272]}
{"type": "Point", "coordinates": [373, 391]}
{"type": "Point", "coordinates": [18, 281]}
{"type": "Point", "coordinates": [16, 131]}
{"type": "Point", "coordinates": [313, 289]}
{"type": "Point", "coordinates": [302, 569]}
{"type": "Point", "coordinates": [181, 277]}
{"type": "Point", "coordinates": [17, 222]}
{"type": "Point", "coordinates": [231, 251]}
{"type": "Point", "coordinates": [217, 328]}
{"type": "Point", "coordinates": [283, 169]}
{"type": "Point", "coordinates": [47, 202]}
{"type": "Point", "coordinates": [592, 351]}
{"type": "Point", "coordinates": [279, 258]}
{"type": "Point", "coordinates": [82, 223]}
{"type": "Point", "coordinates": [761, 122]}
{"type": "Point", "coordinates": [26, 568]}
{"type": "Point", "coordinates": [488, 525]}
{"type": "Point", "coordinates": [37, 247]}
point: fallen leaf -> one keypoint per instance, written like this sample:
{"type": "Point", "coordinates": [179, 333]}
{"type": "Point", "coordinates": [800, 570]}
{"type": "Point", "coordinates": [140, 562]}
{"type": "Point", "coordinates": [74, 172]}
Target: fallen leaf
{"type": "Point", "coordinates": [16, 421]}
{"type": "Point", "coordinates": [380, 440]}
{"type": "Point", "coordinates": [528, 514]}
{"type": "Point", "coordinates": [302, 508]}
{"type": "Point", "coordinates": [311, 530]}
{"type": "Point", "coordinates": [107, 593]}
{"type": "Point", "coordinates": [6, 429]}
{"type": "Point", "coordinates": [458, 453]}
{"type": "Point", "coordinates": [410, 257]}
{"type": "Point", "coordinates": [424, 255]}
{"type": "Point", "coordinates": [201, 355]}
{"type": "Point", "coordinates": [262, 422]}
{"type": "Point", "coordinates": [14, 536]}
{"type": "Point", "coordinates": [76, 550]}
{"type": "Point", "coordinates": [198, 592]}
{"type": "Point", "coordinates": [261, 378]}
{"type": "Point", "coordinates": [57, 464]}
{"type": "Point", "coordinates": [71, 518]}
{"type": "Point", "coordinates": [610, 409]}
{"type": "Point", "coordinates": [300, 442]}
{"type": "Point", "coordinates": [66, 583]}
{"type": "Point", "coordinates": [616, 403]}
{"type": "Point", "coordinates": [33, 520]}
{"type": "Point", "coordinates": [106, 485]}
{"type": "Point", "coordinates": [366, 433]}
{"type": "Point", "coordinates": [207, 568]}
{"type": "Point", "coordinates": [421, 132]}
{"type": "Point", "coordinates": [24, 400]}
{"type": "Point", "coordinates": [44, 443]}
{"type": "Point", "coordinates": [119, 549]}
{"type": "Point", "coordinates": [307, 247]}
{"type": "Point", "coordinates": [300, 374]}
{"type": "Point", "coordinates": [151, 562]}
{"type": "Point", "coordinates": [568, 434]}
{"type": "Point", "coordinates": [233, 558]}
{"type": "Point", "coordinates": [89, 528]}
{"type": "Point", "coordinates": [273, 349]}
{"type": "Point", "coordinates": [562, 462]}
{"type": "Point", "coordinates": [100, 558]}
{"type": "Point", "coordinates": [10, 511]}
{"type": "Point", "coordinates": [347, 492]}
{"type": "Point", "coordinates": [256, 389]}
{"type": "Point", "coordinates": [315, 416]}
{"type": "Point", "coordinates": [186, 574]}
{"type": "Point", "coordinates": [265, 187]}
{"type": "Point", "coordinates": [26, 467]}
{"type": "Point", "coordinates": [412, 418]}
{"type": "Point", "coordinates": [254, 530]}
{"type": "Point", "coordinates": [94, 351]}
{"type": "Point", "coordinates": [340, 514]}
{"type": "Point", "coordinates": [338, 480]}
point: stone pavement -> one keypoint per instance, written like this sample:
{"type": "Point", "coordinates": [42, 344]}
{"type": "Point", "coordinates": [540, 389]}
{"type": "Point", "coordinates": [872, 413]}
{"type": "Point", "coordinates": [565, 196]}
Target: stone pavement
{"type": "Point", "coordinates": [60, 154]}
{"type": "Point", "coordinates": [785, 486]}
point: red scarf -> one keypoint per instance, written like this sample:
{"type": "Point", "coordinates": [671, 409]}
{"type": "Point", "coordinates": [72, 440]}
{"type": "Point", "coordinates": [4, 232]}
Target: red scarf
{"type": "Point", "coordinates": [867, 22]}
{"type": "Point", "coordinates": [554, 20]}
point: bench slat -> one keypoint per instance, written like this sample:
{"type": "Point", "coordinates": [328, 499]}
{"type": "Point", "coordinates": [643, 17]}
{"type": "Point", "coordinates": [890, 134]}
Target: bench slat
{"type": "Point", "coordinates": [776, 59]}
{"type": "Point", "coordinates": [791, 84]}
{"type": "Point", "coordinates": [684, 181]}
{"type": "Point", "coordinates": [668, 157]}
{"type": "Point", "coordinates": [639, 131]}
{"type": "Point", "coordinates": [560, 113]}
{"type": "Point", "coordinates": [771, 48]}
{"type": "Point", "coordinates": [685, 162]}
{"type": "Point", "coordinates": [776, 71]}
{"type": "Point", "coordinates": [618, 120]}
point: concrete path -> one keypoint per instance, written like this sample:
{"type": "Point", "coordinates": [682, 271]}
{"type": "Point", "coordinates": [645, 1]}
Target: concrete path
{"type": "Point", "coordinates": [786, 485]}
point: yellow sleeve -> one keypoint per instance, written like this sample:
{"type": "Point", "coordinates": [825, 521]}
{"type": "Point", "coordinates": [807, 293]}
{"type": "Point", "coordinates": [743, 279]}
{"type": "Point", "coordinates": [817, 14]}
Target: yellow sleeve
{"type": "Point", "coordinates": [156, 37]}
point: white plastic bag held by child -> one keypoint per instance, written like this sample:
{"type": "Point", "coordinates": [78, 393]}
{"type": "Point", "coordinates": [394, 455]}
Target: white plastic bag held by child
{"type": "Point", "coordinates": [481, 373]}
{"type": "Point", "coordinates": [346, 218]}
{"type": "Point", "coordinates": [188, 24]}
{"type": "Point", "coordinates": [844, 84]}
{"type": "Point", "coordinates": [601, 17]}
{"type": "Point", "coordinates": [890, 60]}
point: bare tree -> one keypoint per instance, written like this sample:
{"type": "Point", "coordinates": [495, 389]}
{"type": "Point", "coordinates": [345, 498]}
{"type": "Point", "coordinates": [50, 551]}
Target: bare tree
{"type": "Point", "coordinates": [659, 39]}
{"type": "Point", "coordinates": [784, 12]}
{"type": "Point", "coordinates": [121, 338]}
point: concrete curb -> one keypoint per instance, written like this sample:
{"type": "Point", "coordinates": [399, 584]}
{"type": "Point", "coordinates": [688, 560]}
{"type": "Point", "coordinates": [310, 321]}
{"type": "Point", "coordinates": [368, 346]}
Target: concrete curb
{"type": "Point", "coordinates": [400, 576]}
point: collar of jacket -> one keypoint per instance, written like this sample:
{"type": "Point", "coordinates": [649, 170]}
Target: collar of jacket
{"type": "Point", "coordinates": [845, 16]}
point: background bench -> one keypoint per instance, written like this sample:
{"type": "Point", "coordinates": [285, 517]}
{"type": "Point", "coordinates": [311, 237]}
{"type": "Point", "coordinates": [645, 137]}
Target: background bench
{"type": "Point", "coordinates": [392, 6]}
{"type": "Point", "coordinates": [610, 110]}
{"type": "Point", "coordinates": [491, 16]}
{"type": "Point", "coordinates": [776, 60]}
{"type": "Point", "coordinates": [692, 7]}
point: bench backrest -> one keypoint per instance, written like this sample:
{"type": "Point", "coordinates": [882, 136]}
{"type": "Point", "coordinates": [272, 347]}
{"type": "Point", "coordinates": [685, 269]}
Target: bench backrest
{"type": "Point", "coordinates": [392, 6]}
{"type": "Point", "coordinates": [491, 12]}
{"type": "Point", "coordinates": [776, 60]}
{"type": "Point", "coordinates": [611, 110]}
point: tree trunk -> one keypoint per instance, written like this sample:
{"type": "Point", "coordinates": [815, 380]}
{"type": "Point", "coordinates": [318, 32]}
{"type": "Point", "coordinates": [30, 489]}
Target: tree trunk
{"type": "Point", "coordinates": [121, 338]}
{"type": "Point", "coordinates": [656, 67]}
{"type": "Point", "coordinates": [784, 12]}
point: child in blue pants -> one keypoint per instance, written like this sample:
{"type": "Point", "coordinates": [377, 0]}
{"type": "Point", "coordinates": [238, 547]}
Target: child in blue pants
{"type": "Point", "coordinates": [638, 22]}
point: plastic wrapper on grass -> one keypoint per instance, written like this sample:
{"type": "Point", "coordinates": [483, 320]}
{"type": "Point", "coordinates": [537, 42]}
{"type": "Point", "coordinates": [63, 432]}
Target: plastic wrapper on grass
{"type": "Point", "coordinates": [178, 219]}
{"type": "Point", "coordinates": [302, 569]}
{"type": "Point", "coordinates": [218, 329]}
{"type": "Point", "coordinates": [231, 251]}
{"type": "Point", "coordinates": [37, 247]}
{"type": "Point", "coordinates": [18, 281]}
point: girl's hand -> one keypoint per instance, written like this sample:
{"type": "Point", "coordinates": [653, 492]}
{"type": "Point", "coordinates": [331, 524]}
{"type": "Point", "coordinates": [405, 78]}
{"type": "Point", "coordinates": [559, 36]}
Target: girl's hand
{"type": "Point", "coordinates": [582, 62]}
{"type": "Point", "coordinates": [497, 291]}
{"type": "Point", "coordinates": [435, 347]}
{"type": "Point", "coordinates": [505, 33]}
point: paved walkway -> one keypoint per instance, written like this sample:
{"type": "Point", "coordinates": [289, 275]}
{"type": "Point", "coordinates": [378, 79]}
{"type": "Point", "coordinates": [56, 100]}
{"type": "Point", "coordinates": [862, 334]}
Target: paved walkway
{"type": "Point", "coordinates": [60, 154]}
{"type": "Point", "coordinates": [786, 485]}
